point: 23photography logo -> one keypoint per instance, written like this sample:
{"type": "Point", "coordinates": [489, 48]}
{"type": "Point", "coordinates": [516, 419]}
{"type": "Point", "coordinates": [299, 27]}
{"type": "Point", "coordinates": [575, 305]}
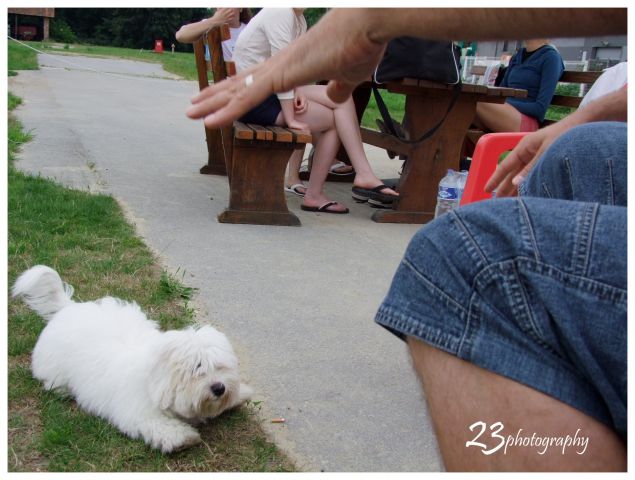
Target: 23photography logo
{"type": "Point", "coordinates": [491, 440]}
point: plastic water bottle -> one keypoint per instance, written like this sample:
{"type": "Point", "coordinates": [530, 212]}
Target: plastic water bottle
{"type": "Point", "coordinates": [460, 183]}
{"type": "Point", "coordinates": [447, 197]}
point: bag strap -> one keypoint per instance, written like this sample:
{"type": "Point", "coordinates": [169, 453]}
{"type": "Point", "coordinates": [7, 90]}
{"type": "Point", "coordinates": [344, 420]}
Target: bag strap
{"type": "Point", "coordinates": [388, 121]}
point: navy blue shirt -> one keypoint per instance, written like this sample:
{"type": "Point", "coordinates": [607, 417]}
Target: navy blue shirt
{"type": "Point", "coordinates": [539, 75]}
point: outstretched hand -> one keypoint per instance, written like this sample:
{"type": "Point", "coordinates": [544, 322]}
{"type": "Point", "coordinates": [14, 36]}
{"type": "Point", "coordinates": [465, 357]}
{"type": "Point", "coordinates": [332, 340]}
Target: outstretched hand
{"type": "Point", "coordinates": [223, 102]}
{"type": "Point", "coordinates": [516, 166]}
{"type": "Point", "coordinates": [346, 56]}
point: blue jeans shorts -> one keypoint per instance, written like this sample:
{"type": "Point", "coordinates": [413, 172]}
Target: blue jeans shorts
{"type": "Point", "coordinates": [265, 113]}
{"type": "Point", "coordinates": [531, 288]}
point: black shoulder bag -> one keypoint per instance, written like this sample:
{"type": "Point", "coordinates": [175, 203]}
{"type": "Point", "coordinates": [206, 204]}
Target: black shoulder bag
{"type": "Point", "coordinates": [412, 57]}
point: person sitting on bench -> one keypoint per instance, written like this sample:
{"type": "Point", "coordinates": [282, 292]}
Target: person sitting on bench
{"type": "Point", "coordinates": [307, 108]}
{"type": "Point", "coordinates": [537, 67]}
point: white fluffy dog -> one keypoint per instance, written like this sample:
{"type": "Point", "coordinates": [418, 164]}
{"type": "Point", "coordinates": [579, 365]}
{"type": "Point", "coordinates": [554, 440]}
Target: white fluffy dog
{"type": "Point", "coordinates": [120, 366]}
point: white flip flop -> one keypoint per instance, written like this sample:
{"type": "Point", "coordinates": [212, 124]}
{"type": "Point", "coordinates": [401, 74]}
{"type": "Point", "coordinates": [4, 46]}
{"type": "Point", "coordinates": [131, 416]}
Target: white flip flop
{"type": "Point", "coordinates": [337, 165]}
{"type": "Point", "coordinates": [295, 189]}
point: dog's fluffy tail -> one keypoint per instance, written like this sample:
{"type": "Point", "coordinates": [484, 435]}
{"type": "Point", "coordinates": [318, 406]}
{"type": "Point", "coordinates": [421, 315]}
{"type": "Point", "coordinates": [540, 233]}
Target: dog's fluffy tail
{"type": "Point", "coordinates": [43, 291]}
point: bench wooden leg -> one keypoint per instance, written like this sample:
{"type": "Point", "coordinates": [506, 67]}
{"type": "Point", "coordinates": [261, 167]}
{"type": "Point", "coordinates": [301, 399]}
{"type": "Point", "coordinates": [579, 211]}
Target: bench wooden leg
{"type": "Point", "coordinates": [218, 148]}
{"type": "Point", "coordinates": [257, 184]}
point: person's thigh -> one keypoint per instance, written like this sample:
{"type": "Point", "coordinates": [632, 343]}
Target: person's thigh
{"type": "Point", "coordinates": [317, 93]}
{"type": "Point", "coordinates": [498, 117]}
{"type": "Point", "coordinates": [318, 117]}
{"type": "Point", "coordinates": [532, 289]}
{"type": "Point", "coordinates": [587, 163]}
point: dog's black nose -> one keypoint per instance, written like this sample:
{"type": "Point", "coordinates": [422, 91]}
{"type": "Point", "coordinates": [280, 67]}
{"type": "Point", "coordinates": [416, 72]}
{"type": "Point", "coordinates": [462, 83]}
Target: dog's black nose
{"type": "Point", "coordinates": [218, 389]}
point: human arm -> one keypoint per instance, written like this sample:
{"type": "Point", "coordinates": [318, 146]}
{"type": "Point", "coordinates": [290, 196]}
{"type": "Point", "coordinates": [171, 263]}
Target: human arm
{"type": "Point", "coordinates": [191, 32]}
{"type": "Point", "coordinates": [513, 170]}
{"type": "Point", "coordinates": [347, 44]}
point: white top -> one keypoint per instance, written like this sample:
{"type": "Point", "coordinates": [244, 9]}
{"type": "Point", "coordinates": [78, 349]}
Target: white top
{"type": "Point", "coordinates": [611, 79]}
{"type": "Point", "coordinates": [266, 34]}
{"type": "Point", "coordinates": [229, 45]}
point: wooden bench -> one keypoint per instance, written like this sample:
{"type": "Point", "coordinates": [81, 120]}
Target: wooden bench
{"type": "Point", "coordinates": [587, 79]}
{"type": "Point", "coordinates": [253, 157]}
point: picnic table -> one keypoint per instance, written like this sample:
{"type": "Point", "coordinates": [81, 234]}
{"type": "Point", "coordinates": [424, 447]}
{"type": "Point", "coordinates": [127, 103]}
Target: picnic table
{"type": "Point", "coordinates": [426, 103]}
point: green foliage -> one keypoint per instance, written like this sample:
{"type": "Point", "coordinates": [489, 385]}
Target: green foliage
{"type": "Point", "coordinates": [138, 27]}
{"type": "Point", "coordinates": [61, 31]}
{"type": "Point", "coordinates": [312, 15]}
{"type": "Point", "coordinates": [130, 27]}
{"type": "Point", "coordinates": [13, 101]}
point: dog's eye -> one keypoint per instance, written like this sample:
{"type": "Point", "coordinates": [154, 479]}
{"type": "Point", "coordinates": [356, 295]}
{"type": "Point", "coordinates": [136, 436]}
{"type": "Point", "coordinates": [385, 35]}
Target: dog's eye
{"type": "Point", "coordinates": [198, 367]}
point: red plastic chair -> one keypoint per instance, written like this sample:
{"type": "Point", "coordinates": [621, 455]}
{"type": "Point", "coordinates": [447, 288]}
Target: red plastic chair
{"type": "Point", "coordinates": [484, 161]}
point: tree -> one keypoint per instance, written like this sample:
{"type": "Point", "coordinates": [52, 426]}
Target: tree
{"type": "Point", "coordinates": [129, 27]}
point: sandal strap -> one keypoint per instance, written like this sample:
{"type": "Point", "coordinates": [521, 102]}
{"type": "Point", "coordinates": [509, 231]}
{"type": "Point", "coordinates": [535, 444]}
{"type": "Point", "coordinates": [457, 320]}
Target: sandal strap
{"type": "Point", "coordinates": [326, 206]}
{"type": "Point", "coordinates": [379, 188]}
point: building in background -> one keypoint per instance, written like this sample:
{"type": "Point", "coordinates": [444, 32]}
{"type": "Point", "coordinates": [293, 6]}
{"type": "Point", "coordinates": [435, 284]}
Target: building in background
{"type": "Point", "coordinates": [604, 51]}
{"type": "Point", "coordinates": [30, 23]}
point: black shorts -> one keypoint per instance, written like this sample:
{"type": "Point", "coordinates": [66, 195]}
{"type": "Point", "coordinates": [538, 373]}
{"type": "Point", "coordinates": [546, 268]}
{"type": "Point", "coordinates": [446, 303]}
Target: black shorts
{"type": "Point", "coordinates": [265, 113]}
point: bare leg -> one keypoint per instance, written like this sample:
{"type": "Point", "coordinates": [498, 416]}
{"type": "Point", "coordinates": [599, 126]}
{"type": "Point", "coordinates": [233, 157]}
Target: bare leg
{"type": "Point", "coordinates": [497, 117]}
{"type": "Point", "coordinates": [319, 119]}
{"type": "Point", "coordinates": [347, 127]}
{"type": "Point", "coordinates": [459, 394]}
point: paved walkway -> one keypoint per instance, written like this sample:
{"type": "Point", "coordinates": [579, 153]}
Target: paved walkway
{"type": "Point", "coordinates": [297, 303]}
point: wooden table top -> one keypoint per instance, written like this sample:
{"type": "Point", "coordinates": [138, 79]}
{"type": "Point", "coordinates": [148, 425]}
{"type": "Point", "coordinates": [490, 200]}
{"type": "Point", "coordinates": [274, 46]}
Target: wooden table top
{"type": "Point", "coordinates": [465, 88]}
{"type": "Point", "coordinates": [408, 85]}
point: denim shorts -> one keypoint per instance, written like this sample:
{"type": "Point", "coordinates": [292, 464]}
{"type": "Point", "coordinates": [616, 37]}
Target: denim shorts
{"type": "Point", "coordinates": [531, 288]}
{"type": "Point", "coordinates": [264, 114]}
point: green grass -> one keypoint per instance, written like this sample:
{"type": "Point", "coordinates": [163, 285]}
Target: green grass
{"type": "Point", "coordinates": [395, 103]}
{"type": "Point", "coordinates": [558, 113]}
{"type": "Point", "coordinates": [21, 58]}
{"type": "Point", "coordinates": [86, 238]}
{"type": "Point", "coordinates": [179, 63]}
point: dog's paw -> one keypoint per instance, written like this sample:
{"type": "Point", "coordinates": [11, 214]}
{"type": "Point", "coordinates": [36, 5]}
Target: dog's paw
{"type": "Point", "coordinates": [245, 393]}
{"type": "Point", "coordinates": [173, 436]}
{"type": "Point", "coordinates": [189, 439]}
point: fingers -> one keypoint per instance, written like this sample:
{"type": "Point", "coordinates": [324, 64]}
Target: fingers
{"type": "Point", "coordinates": [506, 188]}
{"type": "Point", "coordinates": [339, 91]}
{"type": "Point", "coordinates": [300, 104]}
{"type": "Point", "coordinates": [514, 163]}
{"type": "Point", "coordinates": [221, 103]}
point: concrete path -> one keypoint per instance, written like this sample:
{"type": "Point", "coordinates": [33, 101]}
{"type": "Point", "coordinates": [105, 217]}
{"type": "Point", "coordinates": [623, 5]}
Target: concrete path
{"type": "Point", "coordinates": [297, 303]}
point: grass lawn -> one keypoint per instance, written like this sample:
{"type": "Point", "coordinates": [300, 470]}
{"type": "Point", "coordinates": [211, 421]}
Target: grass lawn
{"type": "Point", "coordinates": [86, 238]}
{"type": "Point", "coordinates": [179, 63]}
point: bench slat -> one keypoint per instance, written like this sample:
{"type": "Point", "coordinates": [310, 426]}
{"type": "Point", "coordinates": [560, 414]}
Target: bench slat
{"type": "Point", "coordinates": [243, 132]}
{"type": "Point", "coordinates": [261, 132]}
{"type": "Point", "coordinates": [572, 76]}
{"type": "Point", "coordinates": [566, 101]}
{"type": "Point", "coordinates": [281, 134]}
{"type": "Point", "coordinates": [300, 136]}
